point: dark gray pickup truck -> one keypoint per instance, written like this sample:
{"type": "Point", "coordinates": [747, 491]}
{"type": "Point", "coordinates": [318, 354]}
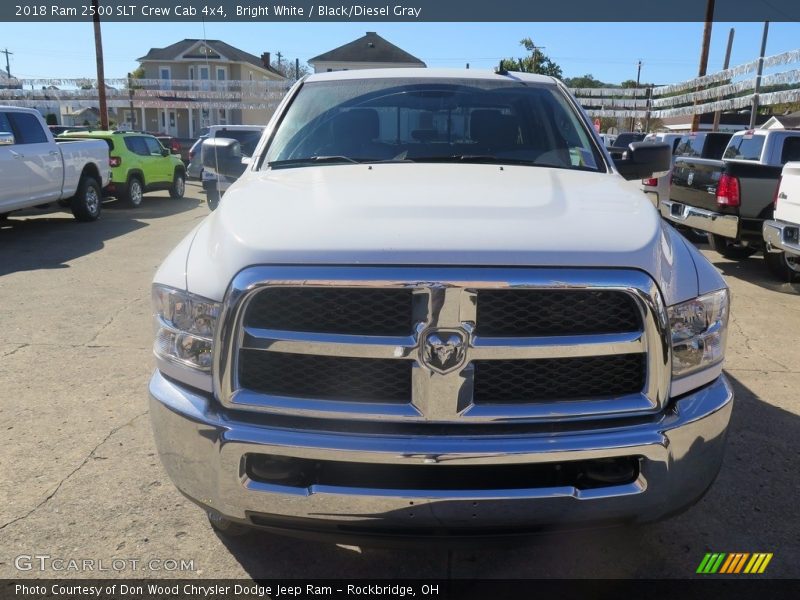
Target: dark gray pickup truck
{"type": "Point", "coordinates": [731, 198]}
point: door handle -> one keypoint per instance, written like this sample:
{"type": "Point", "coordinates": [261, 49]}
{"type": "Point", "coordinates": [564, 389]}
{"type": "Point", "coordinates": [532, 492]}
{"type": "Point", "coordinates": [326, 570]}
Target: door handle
{"type": "Point", "coordinates": [53, 152]}
{"type": "Point", "coordinates": [17, 154]}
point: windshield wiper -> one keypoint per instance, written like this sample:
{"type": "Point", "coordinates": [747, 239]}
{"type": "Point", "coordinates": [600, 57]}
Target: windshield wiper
{"type": "Point", "coordinates": [474, 158]}
{"type": "Point", "coordinates": [295, 162]}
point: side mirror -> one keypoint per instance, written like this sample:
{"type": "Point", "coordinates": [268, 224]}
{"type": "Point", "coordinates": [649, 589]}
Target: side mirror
{"type": "Point", "coordinates": [6, 138]}
{"type": "Point", "coordinates": [223, 156]}
{"type": "Point", "coordinates": [164, 152]}
{"type": "Point", "coordinates": [643, 160]}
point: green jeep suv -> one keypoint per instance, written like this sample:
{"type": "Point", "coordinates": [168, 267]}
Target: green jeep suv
{"type": "Point", "coordinates": [139, 164]}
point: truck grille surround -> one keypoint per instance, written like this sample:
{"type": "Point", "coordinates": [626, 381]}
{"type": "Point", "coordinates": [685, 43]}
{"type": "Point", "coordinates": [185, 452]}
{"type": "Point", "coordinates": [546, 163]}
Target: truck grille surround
{"type": "Point", "coordinates": [442, 345]}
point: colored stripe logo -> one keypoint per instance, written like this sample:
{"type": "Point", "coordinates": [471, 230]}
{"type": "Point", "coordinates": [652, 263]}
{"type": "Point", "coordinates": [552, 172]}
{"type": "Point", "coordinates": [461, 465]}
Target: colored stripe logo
{"type": "Point", "coordinates": [734, 563]}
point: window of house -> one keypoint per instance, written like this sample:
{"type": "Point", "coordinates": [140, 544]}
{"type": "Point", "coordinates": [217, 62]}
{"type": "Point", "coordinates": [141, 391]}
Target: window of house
{"type": "Point", "coordinates": [165, 74]}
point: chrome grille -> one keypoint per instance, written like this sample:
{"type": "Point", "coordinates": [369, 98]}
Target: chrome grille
{"type": "Point", "coordinates": [450, 358]}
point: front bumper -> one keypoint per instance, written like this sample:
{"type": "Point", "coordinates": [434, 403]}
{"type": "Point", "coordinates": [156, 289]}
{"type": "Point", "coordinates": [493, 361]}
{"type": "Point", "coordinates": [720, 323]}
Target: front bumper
{"type": "Point", "coordinates": [203, 449]}
{"type": "Point", "coordinates": [782, 237]}
{"type": "Point", "coordinates": [699, 218]}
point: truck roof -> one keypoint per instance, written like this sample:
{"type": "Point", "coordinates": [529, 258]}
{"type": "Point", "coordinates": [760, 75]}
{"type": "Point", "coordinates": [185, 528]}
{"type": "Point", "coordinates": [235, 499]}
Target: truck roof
{"type": "Point", "coordinates": [429, 74]}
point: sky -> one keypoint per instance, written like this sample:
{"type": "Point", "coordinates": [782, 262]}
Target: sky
{"type": "Point", "coordinates": [609, 51]}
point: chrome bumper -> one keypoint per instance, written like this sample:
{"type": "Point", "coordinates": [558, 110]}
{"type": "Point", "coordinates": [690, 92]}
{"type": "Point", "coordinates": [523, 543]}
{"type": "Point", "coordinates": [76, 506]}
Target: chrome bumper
{"type": "Point", "coordinates": [698, 218]}
{"type": "Point", "coordinates": [203, 450]}
{"type": "Point", "coordinates": [782, 237]}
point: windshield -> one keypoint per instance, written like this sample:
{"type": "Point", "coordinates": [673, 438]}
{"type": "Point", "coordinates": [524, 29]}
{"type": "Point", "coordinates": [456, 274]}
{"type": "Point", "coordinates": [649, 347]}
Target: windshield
{"type": "Point", "coordinates": [414, 120]}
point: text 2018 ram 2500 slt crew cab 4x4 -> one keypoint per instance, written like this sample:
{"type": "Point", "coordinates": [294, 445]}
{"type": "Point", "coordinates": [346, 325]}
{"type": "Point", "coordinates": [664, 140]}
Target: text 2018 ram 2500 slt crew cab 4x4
{"type": "Point", "coordinates": [432, 306]}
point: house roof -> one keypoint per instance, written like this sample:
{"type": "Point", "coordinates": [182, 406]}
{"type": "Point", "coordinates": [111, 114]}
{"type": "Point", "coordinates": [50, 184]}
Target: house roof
{"type": "Point", "coordinates": [790, 121]}
{"type": "Point", "coordinates": [370, 48]}
{"type": "Point", "coordinates": [180, 49]}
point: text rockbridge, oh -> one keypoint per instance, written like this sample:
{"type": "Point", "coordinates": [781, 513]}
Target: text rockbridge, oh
{"type": "Point", "coordinates": [349, 11]}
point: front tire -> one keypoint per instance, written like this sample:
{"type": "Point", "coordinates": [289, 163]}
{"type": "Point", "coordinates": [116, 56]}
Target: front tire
{"type": "Point", "coordinates": [134, 193]}
{"type": "Point", "coordinates": [729, 248]}
{"type": "Point", "coordinates": [212, 198]}
{"type": "Point", "coordinates": [178, 188]}
{"type": "Point", "coordinates": [785, 267]}
{"type": "Point", "coordinates": [87, 202]}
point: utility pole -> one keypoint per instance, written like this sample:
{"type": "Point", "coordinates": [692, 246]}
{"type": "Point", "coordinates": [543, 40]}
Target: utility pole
{"type": "Point", "coordinates": [296, 69]}
{"type": "Point", "coordinates": [8, 68]}
{"type": "Point", "coordinates": [754, 109]}
{"type": "Point", "coordinates": [638, 75]}
{"type": "Point", "coordinates": [101, 78]}
{"type": "Point", "coordinates": [130, 95]}
{"type": "Point", "coordinates": [715, 126]}
{"type": "Point", "coordinates": [704, 53]}
{"type": "Point", "coordinates": [279, 55]}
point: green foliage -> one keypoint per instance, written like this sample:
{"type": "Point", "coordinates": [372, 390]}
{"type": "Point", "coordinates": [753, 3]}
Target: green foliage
{"type": "Point", "coordinates": [51, 119]}
{"type": "Point", "coordinates": [536, 62]}
{"type": "Point", "coordinates": [585, 81]}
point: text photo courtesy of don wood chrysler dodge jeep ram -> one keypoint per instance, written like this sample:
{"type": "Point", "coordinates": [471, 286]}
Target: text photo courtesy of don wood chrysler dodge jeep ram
{"type": "Point", "coordinates": [432, 305]}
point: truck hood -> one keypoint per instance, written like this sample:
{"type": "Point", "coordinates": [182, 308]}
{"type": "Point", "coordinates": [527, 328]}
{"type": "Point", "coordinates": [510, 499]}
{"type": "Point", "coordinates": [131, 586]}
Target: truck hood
{"type": "Point", "coordinates": [434, 214]}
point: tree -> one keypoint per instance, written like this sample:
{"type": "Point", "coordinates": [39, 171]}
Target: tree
{"type": "Point", "coordinates": [536, 62]}
{"type": "Point", "coordinates": [51, 119]}
{"type": "Point", "coordinates": [287, 69]}
{"type": "Point", "coordinates": [585, 81]}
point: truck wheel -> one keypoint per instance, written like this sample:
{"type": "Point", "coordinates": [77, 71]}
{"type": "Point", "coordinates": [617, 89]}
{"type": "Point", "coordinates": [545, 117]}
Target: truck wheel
{"type": "Point", "coordinates": [212, 198]}
{"type": "Point", "coordinates": [134, 193]}
{"type": "Point", "coordinates": [178, 185]}
{"type": "Point", "coordinates": [784, 266]}
{"type": "Point", "coordinates": [86, 203]}
{"type": "Point", "coordinates": [225, 526]}
{"type": "Point", "coordinates": [729, 248]}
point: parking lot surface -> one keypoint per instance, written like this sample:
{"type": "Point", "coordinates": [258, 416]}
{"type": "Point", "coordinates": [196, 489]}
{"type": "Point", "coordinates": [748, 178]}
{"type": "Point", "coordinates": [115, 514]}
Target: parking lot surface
{"type": "Point", "coordinates": [81, 479]}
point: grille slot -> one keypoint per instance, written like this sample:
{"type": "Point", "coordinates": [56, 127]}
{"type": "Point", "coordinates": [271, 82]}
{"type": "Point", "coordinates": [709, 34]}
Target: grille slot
{"type": "Point", "coordinates": [520, 313]}
{"type": "Point", "coordinates": [355, 311]}
{"type": "Point", "coordinates": [553, 379]}
{"type": "Point", "coordinates": [325, 377]}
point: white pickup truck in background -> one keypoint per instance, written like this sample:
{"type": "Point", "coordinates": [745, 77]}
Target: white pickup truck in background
{"type": "Point", "coordinates": [36, 169]}
{"type": "Point", "coordinates": [782, 233]}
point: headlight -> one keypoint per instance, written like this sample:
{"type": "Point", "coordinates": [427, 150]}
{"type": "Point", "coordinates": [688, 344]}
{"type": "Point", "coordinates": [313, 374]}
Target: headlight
{"type": "Point", "coordinates": [185, 326]}
{"type": "Point", "coordinates": [699, 331]}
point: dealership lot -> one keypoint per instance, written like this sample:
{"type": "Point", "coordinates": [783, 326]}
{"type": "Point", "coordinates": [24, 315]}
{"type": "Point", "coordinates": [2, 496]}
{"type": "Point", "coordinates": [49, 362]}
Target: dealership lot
{"type": "Point", "coordinates": [82, 480]}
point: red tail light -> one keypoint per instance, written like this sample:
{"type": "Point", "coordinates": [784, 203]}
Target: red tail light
{"type": "Point", "coordinates": [114, 161]}
{"type": "Point", "coordinates": [777, 189]}
{"type": "Point", "coordinates": [191, 155]}
{"type": "Point", "coordinates": [728, 191]}
{"type": "Point", "coordinates": [176, 147]}
{"type": "Point", "coordinates": [650, 181]}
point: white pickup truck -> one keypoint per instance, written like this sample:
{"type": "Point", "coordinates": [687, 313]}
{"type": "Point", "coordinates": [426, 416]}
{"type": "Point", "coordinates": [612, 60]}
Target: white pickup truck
{"type": "Point", "coordinates": [36, 169]}
{"type": "Point", "coordinates": [433, 306]}
{"type": "Point", "coordinates": [782, 233]}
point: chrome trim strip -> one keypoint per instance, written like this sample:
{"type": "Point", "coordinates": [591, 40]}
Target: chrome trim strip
{"type": "Point", "coordinates": [449, 302]}
{"type": "Point", "coordinates": [698, 218]}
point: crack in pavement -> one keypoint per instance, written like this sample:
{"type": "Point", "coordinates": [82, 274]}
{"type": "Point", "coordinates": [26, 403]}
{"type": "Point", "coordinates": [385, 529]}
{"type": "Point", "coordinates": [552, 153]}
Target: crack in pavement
{"type": "Point", "coordinates": [112, 319]}
{"type": "Point", "coordinates": [749, 347]}
{"type": "Point", "coordinates": [52, 494]}
{"type": "Point", "coordinates": [15, 350]}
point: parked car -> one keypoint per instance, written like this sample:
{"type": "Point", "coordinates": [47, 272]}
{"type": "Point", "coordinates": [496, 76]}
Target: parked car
{"type": "Point", "coordinates": [57, 130]}
{"type": "Point", "coordinates": [696, 145]}
{"type": "Point", "coordinates": [37, 169]}
{"type": "Point", "coordinates": [432, 305]}
{"type": "Point", "coordinates": [139, 164]}
{"type": "Point", "coordinates": [731, 198]}
{"type": "Point", "coordinates": [194, 169]}
{"type": "Point", "coordinates": [215, 184]}
{"type": "Point", "coordinates": [608, 139]}
{"type": "Point", "coordinates": [782, 233]}
{"type": "Point", "coordinates": [167, 141]}
{"type": "Point", "coordinates": [627, 137]}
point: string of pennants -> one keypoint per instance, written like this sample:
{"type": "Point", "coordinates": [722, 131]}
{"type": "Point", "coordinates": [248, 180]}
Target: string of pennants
{"type": "Point", "coordinates": [714, 92]}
